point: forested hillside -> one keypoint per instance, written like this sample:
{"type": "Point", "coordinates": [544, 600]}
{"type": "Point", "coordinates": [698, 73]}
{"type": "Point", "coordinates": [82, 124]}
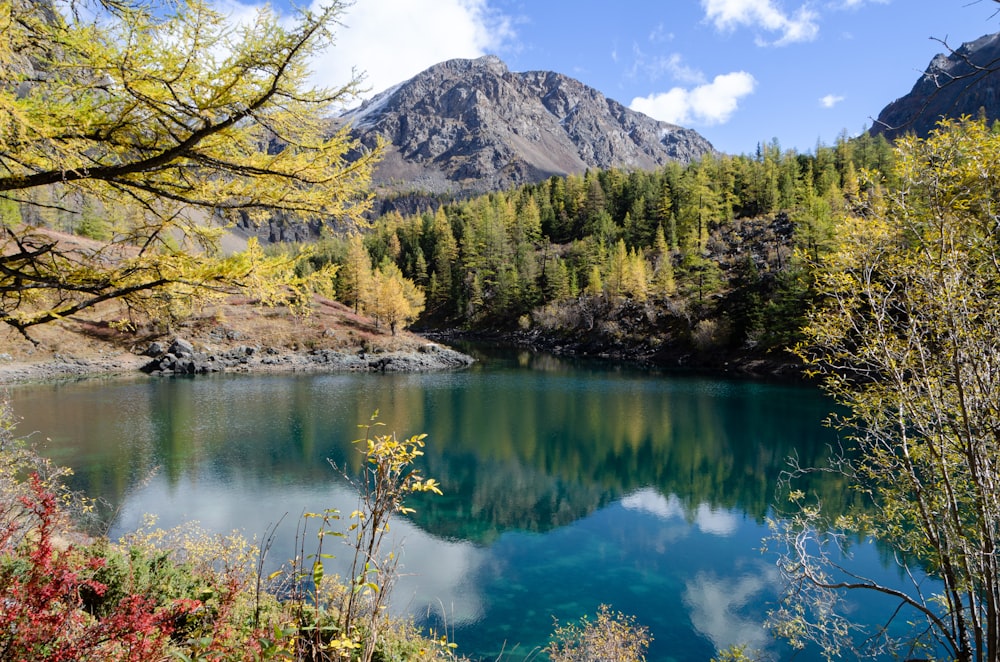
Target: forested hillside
{"type": "Point", "coordinates": [699, 263]}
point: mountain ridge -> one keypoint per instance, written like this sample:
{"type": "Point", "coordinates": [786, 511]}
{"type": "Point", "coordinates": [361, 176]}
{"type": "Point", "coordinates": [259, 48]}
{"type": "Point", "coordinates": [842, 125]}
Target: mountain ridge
{"type": "Point", "coordinates": [464, 127]}
{"type": "Point", "coordinates": [965, 81]}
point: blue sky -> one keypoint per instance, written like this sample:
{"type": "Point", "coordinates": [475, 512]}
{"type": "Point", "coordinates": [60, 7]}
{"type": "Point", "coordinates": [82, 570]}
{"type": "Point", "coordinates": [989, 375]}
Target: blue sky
{"type": "Point", "coordinates": [738, 71]}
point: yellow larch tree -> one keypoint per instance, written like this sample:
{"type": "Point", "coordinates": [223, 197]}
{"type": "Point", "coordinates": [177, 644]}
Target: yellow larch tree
{"type": "Point", "coordinates": [356, 274]}
{"type": "Point", "coordinates": [170, 122]}
{"type": "Point", "coordinates": [396, 300]}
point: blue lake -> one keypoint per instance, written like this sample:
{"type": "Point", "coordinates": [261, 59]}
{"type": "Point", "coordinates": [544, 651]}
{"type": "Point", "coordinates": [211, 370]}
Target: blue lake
{"type": "Point", "coordinates": [567, 485]}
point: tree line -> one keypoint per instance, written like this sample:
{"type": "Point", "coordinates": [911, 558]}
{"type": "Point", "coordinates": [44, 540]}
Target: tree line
{"type": "Point", "coordinates": [713, 253]}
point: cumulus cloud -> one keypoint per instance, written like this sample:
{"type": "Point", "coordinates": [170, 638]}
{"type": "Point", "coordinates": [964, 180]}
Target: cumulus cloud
{"type": "Point", "coordinates": [390, 41]}
{"type": "Point", "coordinates": [763, 15]}
{"type": "Point", "coordinates": [707, 104]}
{"type": "Point", "coordinates": [830, 100]}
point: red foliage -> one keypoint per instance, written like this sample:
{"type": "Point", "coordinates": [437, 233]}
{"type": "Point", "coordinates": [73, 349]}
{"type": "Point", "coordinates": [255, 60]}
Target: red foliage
{"type": "Point", "coordinates": [41, 613]}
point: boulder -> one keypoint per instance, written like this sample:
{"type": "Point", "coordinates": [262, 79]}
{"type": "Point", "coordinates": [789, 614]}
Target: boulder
{"type": "Point", "coordinates": [181, 347]}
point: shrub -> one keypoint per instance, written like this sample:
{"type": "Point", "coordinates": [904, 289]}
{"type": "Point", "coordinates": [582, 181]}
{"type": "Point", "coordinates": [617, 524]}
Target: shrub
{"type": "Point", "coordinates": [43, 612]}
{"type": "Point", "coordinates": [738, 654]}
{"type": "Point", "coordinates": [613, 637]}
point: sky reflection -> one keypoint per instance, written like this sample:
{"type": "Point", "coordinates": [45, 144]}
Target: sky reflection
{"type": "Point", "coordinates": [718, 603]}
{"type": "Point", "coordinates": [707, 518]}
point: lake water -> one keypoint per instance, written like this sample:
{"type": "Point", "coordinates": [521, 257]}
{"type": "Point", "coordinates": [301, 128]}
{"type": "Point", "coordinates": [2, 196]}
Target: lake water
{"type": "Point", "coordinates": [567, 485]}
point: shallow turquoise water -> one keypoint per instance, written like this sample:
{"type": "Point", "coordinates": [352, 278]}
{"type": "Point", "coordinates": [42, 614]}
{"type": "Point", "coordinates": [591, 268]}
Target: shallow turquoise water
{"type": "Point", "coordinates": [567, 485]}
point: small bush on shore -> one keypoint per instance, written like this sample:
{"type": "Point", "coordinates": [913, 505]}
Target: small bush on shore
{"type": "Point", "coordinates": [611, 637]}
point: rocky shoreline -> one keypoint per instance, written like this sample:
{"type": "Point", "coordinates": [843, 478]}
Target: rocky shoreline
{"type": "Point", "coordinates": [181, 358]}
{"type": "Point", "coordinates": [339, 343]}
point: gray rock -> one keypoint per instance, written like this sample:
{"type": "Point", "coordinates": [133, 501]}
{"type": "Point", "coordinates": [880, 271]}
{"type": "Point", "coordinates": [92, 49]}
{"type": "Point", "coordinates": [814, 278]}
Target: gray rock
{"type": "Point", "coordinates": [181, 347]}
{"type": "Point", "coordinates": [155, 349]}
{"type": "Point", "coordinates": [472, 126]}
{"type": "Point", "coordinates": [965, 82]}
{"type": "Point", "coordinates": [181, 361]}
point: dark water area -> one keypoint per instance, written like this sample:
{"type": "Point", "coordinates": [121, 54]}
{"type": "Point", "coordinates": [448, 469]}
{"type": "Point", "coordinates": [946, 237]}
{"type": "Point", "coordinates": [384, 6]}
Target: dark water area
{"type": "Point", "coordinates": [567, 485]}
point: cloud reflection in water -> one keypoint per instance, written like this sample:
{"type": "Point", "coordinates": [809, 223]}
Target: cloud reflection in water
{"type": "Point", "coordinates": [707, 518]}
{"type": "Point", "coordinates": [717, 606]}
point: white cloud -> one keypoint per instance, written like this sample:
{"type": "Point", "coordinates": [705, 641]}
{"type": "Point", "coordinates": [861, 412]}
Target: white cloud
{"type": "Point", "coordinates": [660, 34]}
{"type": "Point", "coordinates": [708, 104]}
{"type": "Point", "coordinates": [434, 571]}
{"type": "Point", "coordinates": [763, 15]}
{"type": "Point", "coordinates": [716, 521]}
{"type": "Point", "coordinates": [830, 100]}
{"type": "Point", "coordinates": [650, 501]}
{"type": "Point", "coordinates": [392, 40]}
{"type": "Point", "coordinates": [653, 68]}
{"type": "Point", "coordinates": [681, 71]}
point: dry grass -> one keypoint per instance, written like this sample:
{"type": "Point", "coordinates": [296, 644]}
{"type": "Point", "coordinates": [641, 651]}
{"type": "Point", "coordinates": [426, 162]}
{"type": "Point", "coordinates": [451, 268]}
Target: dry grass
{"type": "Point", "coordinates": [92, 338]}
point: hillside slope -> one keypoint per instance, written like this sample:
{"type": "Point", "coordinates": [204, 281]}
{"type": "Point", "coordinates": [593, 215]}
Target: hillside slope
{"type": "Point", "coordinates": [472, 126]}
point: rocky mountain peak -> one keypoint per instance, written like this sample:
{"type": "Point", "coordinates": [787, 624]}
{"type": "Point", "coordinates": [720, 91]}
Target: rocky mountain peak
{"type": "Point", "coordinates": [471, 126]}
{"type": "Point", "coordinates": [954, 84]}
{"type": "Point", "coordinates": [487, 63]}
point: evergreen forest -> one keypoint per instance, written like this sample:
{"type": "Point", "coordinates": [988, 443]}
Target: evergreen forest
{"type": "Point", "coordinates": [711, 259]}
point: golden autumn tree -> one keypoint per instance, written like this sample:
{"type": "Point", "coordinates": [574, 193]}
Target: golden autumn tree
{"type": "Point", "coordinates": [356, 274]}
{"type": "Point", "coordinates": [165, 121]}
{"type": "Point", "coordinates": [663, 284]}
{"type": "Point", "coordinates": [907, 338]}
{"type": "Point", "coordinates": [395, 299]}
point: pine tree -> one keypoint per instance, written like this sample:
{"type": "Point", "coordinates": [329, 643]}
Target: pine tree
{"type": "Point", "coordinates": [701, 207]}
{"type": "Point", "coordinates": [420, 267]}
{"type": "Point", "coordinates": [618, 278]}
{"type": "Point", "coordinates": [635, 224]}
{"type": "Point", "coordinates": [595, 286]}
{"type": "Point", "coordinates": [556, 278]}
{"type": "Point", "coordinates": [444, 256]}
{"type": "Point", "coordinates": [663, 285]}
{"type": "Point", "coordinates": [637, 276]}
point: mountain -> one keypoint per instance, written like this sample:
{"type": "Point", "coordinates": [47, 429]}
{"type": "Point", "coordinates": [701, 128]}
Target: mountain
{"type": "Point", "coordinates": [472, 126]}
{"type": "Point", "coordinates": [964, 82]}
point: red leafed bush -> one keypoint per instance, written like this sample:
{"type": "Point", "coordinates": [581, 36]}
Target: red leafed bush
{"type": "Point", "coordinates": [42, 615]}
